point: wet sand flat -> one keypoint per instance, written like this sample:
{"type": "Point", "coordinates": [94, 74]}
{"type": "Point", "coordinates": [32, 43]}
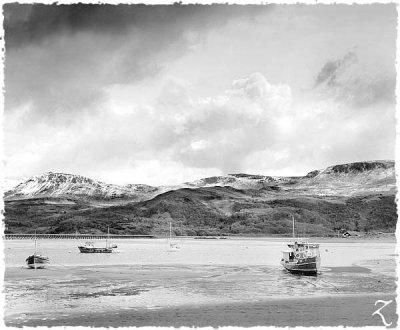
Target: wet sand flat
{"type": "Point", "coordinates": [198, 295]}
{"type": "Point", "coordinates": [323, 311]}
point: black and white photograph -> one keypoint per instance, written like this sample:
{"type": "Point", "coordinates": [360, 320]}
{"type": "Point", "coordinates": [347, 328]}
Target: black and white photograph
{"type": "Point", "coordinates": [199, 165]}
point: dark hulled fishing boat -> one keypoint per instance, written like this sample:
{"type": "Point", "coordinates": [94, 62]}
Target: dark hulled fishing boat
{"type": "Point", "coordinates": [302, 257]}
{"type": "Point", "coordinates": [37, 261]}
{"type": "Point", "coordinates": [89, 247]}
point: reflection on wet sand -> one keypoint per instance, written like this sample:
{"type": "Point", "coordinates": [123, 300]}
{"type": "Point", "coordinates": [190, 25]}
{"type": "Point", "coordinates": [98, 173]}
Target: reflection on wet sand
{"type": "Point", "coordinates": [113, 288]}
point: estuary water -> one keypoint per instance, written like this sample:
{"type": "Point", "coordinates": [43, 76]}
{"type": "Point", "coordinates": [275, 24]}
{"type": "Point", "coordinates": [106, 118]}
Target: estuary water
{"type": "Point", "coordinates": [144, 275]}
{"type": "Point", "coordinates": [232, 251]}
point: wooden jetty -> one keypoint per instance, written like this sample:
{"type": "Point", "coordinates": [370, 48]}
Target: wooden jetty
{"type": "Point", "coordinates": [72, 236]}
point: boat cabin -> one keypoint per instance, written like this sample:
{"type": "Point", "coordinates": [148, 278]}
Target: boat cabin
{"type": "Point", "coordinates": [301, 250]}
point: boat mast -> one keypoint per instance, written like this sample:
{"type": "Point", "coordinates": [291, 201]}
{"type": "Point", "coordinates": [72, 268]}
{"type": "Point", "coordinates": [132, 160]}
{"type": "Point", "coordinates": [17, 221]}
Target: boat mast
{"type": "Point", "coordinates": [293, 225]}
{"type": "Point", "coordinates": [170, 231]}
{"type": "Point", "coordinates": [108, 235]}
{"type": "Point", "coordinates": [35, 242]}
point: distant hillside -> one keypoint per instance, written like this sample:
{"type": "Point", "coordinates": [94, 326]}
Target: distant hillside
{"type": "Point", "coordinates": [68, 185]}
{"type": "Point", "coordinates": [356, 196]}
{"type": "Point", "coordinates": [210, 211]}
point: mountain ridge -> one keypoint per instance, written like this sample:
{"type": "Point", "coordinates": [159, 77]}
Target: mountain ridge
{"type": "Point", "coordinates": [53, 184]}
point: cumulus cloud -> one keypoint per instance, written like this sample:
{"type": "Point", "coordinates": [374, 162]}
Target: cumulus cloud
{"type": "Point", "coordinates": [221, 131]}
{"type": "Point", "coordinates": [214, 132]}
{"type": "Point", "coordinates": [165, 94]}
{"type": "Point", "coordinates": [253, 126]}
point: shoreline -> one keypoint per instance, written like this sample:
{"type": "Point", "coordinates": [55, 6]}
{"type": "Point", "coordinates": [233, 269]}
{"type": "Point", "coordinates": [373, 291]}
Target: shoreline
{"type": "Point", "coordinates": [338, 310]}
{"type": "Point", "coordinates": [385, 238]}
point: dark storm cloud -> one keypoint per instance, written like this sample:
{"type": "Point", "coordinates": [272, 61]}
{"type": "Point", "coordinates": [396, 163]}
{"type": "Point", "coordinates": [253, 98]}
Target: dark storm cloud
{"type": "Point", "coordinates": [60, 59]}
{"type": "Point", "coordinates": [357, 83]}
{"type": "Point", "coordinates": [331, 70]}
{"type": "Point", "coordinates": [32, 23]}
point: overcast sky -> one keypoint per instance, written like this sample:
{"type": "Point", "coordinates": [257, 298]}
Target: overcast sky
{"type": "Point", "coordinates": [167, 94]}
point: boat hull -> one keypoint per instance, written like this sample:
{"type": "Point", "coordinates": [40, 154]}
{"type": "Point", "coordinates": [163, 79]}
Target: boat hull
{"type": "Point", "coordinates": [37, 261]}
{"type": "Point", "coordinates": [306, 266]}
{"type": "Point", "coordinates": [85, 249]}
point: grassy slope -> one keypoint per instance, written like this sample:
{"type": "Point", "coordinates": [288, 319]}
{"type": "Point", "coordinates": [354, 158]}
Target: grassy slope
{"type": "Point", "coordinates": [210, 211]}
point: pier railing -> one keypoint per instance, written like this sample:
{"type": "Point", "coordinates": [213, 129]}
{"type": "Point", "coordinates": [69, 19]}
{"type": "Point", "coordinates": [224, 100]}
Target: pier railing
{"type": "Point", "coordinates": [72, 236]}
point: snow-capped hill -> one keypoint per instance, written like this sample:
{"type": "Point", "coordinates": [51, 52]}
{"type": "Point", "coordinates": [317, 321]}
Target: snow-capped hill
{"type": "Point", "coordinates": [354, 168]}
{"type": "Point", "coordinates": [251, 176]}
{"type": "Point", "coordinates": [344, 179]}
{"type": "Point", "coordinates": [211, 181]}
{"type": "Point", "coordinates": [140, 188]}
{"type": "Point", "coordinates": [238, 181]}
{"type": "Point", "coordinates": [352, 178]}
{"type": "Point", "coordinates": [359, 167]}
{"type": "Point", "coordinates": [61, 184]}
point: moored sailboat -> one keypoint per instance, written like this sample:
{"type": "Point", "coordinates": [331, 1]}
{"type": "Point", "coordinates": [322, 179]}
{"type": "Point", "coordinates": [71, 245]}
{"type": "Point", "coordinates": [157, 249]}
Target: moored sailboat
{"type": "Point", "coordinates": [302, 257]}
{"type": "Point", "coordinates": [36, 260]}
{"type": "Point", "coordinates": [172, 245]}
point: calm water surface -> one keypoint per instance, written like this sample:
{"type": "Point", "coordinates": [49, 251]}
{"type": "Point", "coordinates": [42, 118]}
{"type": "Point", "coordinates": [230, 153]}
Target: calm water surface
{"type": "Point", "coordinates": [193, 251]}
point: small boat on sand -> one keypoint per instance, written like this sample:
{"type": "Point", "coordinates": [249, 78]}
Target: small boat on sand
{"type": "Point", "coordinates": [89, 247]}
{"type": "Point", "coordinates": [36, 260]}
{"type": "Point", "coordinates": [302, 257]}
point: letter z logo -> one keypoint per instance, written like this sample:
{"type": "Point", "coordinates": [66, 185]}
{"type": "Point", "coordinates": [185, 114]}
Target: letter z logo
{"type": "Point", "coordinates": [378, 311]}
